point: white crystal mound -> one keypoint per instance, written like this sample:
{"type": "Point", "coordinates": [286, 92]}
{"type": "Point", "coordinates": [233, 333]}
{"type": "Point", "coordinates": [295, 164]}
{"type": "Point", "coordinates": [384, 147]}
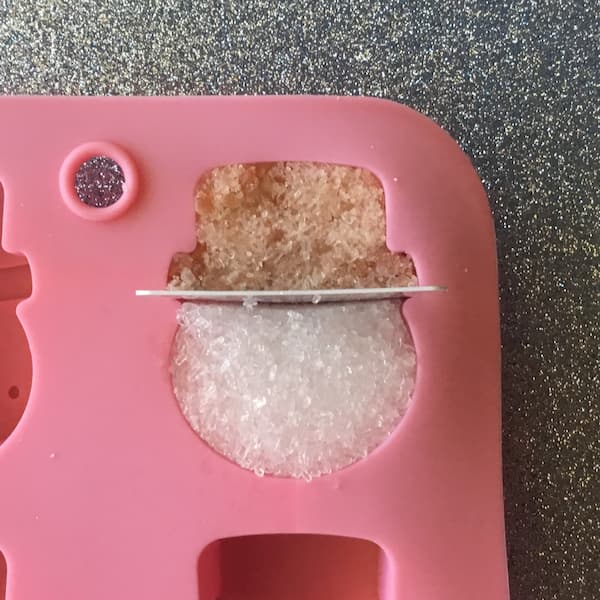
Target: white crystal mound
{"type": "Point", "coordinates": [293, 391]}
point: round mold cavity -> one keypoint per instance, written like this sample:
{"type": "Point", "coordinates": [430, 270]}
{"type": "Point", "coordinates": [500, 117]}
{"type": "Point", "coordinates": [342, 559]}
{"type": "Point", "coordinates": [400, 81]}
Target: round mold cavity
{"type": "Point", "coordinates": [299, 391]}
{"type": "Point", "coordinates": [98, 181]}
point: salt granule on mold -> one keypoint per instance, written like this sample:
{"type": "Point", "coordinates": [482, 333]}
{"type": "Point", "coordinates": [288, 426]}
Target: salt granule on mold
{"type": "Point", "coordinates": [293, 391]}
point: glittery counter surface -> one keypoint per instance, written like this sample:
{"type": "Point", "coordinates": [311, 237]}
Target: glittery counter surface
{"type": "Point", "coordinates": [517, 84]}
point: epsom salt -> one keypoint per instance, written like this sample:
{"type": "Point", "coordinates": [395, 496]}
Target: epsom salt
{"type": "Point", "coordinates": [293, 391]}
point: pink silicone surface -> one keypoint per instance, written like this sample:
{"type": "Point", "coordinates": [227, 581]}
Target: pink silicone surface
{"type": "Point", "coordinates": [106, 491]}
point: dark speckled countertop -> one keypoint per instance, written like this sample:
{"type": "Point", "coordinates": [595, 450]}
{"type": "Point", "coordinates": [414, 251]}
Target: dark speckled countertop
{"type": "Point", "coordinates": [517, 84]}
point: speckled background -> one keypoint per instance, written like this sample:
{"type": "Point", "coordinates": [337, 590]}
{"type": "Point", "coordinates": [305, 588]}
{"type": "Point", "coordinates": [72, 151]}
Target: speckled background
{"type": "Point", "coordinates": [517, 83]}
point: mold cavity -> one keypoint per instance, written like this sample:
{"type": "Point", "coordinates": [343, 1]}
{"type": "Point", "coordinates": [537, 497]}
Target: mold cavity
{"type": "Point", "coordinates": [15, 358]}
{"type": "Point", "coordinates": [297, 391]}
{"type": "Point", "coordinates": [99, 182]}
{"type": "Point", "coordinates": [290, 225]}
{"type": "Point", "coordinates": [2, 577]}
{"type": "Point", "coordinates": [290, 567]}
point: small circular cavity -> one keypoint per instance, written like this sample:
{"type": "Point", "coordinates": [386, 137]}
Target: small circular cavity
{"type": "Point", "coordinates": [99, 182]}
{"type": "Point", "coordinates": [293, 391]}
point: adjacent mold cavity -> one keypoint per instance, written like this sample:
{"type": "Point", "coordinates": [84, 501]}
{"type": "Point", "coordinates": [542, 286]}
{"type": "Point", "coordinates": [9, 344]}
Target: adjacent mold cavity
{"type": "Point", "coordinates": [2, 577]}
{"type": "Point", "coordinates": [290, 567]}
{"type": "Point", "coordinates": [15, 357]}
{"type": "Point", "coordinates": [296, 391]}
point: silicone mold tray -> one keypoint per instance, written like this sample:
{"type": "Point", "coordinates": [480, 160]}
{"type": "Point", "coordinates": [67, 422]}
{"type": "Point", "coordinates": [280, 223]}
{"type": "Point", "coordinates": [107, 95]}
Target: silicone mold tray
{"type": "Point", "coordinates": [105, 490]}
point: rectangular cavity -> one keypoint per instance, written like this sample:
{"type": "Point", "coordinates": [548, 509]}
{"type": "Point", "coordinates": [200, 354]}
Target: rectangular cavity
{"type": "Point", "coordinates": [290, 567]}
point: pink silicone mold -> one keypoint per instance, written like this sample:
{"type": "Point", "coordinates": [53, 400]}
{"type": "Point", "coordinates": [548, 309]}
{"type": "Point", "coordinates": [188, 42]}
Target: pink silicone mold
{"type": "Point", "coordinates": [106, 492]}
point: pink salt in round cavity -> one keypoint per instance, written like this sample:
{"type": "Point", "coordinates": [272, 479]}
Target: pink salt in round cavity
{"type": "Point", "coordinates": [296, 391]}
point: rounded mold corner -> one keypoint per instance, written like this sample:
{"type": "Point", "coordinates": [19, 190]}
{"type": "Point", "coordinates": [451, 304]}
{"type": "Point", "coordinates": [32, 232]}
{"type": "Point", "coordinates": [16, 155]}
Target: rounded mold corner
{"type": "Point", "coordinates": [75, 160]}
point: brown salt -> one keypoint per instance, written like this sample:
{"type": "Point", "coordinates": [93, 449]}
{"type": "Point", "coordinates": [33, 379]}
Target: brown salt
{"type": "Point", "coordinates": [289, 225]}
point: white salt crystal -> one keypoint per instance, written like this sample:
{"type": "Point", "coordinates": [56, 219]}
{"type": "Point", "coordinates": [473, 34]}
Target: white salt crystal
{"type": "Point", "coordinates": [293, 391]}
{"type": "Point", "coordinates": [249, 302]}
